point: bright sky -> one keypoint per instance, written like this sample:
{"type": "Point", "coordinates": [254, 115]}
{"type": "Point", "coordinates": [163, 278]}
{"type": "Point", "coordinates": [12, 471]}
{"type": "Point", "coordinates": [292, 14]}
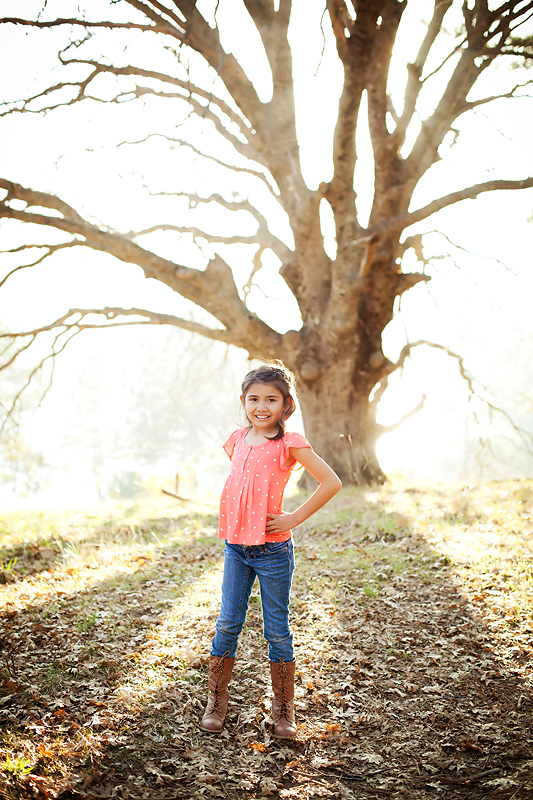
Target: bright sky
{"type": "Point", "coordinates": [481, 311]}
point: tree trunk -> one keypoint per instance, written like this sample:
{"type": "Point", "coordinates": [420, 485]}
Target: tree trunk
{"type": "Point", "coordinates": [340, 424]}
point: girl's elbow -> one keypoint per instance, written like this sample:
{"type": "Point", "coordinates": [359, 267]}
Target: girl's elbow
{"type": "Point", "coordinates": [331, 482]}
{"type": "Point", "coordinates": [335, 484]}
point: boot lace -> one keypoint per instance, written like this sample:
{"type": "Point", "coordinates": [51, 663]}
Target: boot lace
{"type": "Point", "coordinates": [284, 710]}
{"type": "Point", "coordinates": [218, 671]}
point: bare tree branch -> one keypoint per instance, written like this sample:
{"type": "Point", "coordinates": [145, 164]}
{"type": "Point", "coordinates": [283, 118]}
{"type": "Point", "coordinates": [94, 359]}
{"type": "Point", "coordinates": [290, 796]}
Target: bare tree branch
{"type": "Point", "coordinates": [273, 26]}
{"type": "Point", "coordinates": [206, 41]}
{"type": "Point", "coordinates": [257, 265]}
{"type": "Point", "coordinates": [405, 220]}
{"type": "Point", "coordinates": [85, 24]}
{"type": "Point", "coordinates": [280, 143]}
{"type": "Point", "coordinates": [157, 17]}
{"type": "Point", "coordinates": [406, 352]}
{"type": "Point", "coordinates": [198, 35]}
{"type": "Point", "coordinates": [415, 70]}
{"type": "Point", "coordinates": [237, 204]}
{"type": "Point", "coordinates": [526, 437]}
{"type": "Point", "coordinates": [355, 53]}
{"type": "Point", "coordinates": [187, 88]}
{"type": "Point", "coordinates": [34, 372]}
{"type": "Point", "coordinates": [457, 49]}
{"type": "Point", "coordinates": [471, 104]}
{"type": "Point", "coordinates": [38, 199]}
{"type": "Point", "coordinates": [244, 149]}
{"type": "Point", "coordinates": [50, 250]}
{"type": "Point", "coordinates": [212, 289]}
{"type": "Point", "coordinates": [387, 161]}
{"type": "Point", "coordinates": [480, 52]}
{"type": "Point", "coordinates": [262, 236]}
{"type": "Point", "coordinates": [395, 425]}
{"type": "Point", "coordinates": [18, 352]}
{"type": "Point", "coordinates": [74, 320]}
{"type": "Point", "coordinates": [416, 242]}
{"type": "Point", "coordinates": [197, 233]}
{"type": "Point", "coordinates": [203, 111]}
{"type": "Point", "coordinates": [184, 143]}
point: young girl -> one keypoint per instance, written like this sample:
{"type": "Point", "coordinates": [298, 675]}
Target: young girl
{"type": "Point", "coordinates": [259, 539]}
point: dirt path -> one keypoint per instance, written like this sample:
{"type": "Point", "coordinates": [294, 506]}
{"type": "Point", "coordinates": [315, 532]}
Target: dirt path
{"type": "Point", "coordinates": [412, 615]}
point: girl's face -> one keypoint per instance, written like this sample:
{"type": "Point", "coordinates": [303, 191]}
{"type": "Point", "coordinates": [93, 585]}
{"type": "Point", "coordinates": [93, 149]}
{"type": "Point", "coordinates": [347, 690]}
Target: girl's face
{"type": "Point", "coordinates": [264, 405]}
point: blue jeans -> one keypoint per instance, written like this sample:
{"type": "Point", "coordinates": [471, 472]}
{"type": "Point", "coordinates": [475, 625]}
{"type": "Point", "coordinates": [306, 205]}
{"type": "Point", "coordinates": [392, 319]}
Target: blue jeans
{"type": "Point", "coordinates": [273, 564]}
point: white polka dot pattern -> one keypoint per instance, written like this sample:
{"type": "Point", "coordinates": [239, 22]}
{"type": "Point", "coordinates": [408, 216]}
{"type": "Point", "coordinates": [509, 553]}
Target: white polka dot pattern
{"type": "Point", "coordinates": [245, 499]}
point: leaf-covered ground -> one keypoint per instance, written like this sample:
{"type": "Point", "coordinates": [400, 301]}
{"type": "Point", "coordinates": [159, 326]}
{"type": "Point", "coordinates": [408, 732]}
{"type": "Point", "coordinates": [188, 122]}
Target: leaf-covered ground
{"type": "Point", "coordinates": [412, 615]}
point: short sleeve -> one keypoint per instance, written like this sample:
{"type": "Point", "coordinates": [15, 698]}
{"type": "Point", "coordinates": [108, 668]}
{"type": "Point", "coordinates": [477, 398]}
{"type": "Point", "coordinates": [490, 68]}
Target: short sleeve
{"type": "Point", "coordinates": [229, 446]}
{"type": "Point", "coordinates": [291, 440]}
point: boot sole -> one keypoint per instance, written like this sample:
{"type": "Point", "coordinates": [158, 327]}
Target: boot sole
{"type": "Point", "coordinates": [277, 736]}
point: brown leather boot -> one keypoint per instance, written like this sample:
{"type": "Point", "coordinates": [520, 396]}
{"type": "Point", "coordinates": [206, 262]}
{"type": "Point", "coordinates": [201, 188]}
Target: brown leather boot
{"type": "Point", "coordinates": [282, 675]}
{"type": "Point", "coordinates": [220, 669]}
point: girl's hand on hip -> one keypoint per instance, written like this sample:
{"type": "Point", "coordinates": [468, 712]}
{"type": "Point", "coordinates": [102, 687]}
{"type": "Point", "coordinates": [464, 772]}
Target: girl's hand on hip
{"type": "Point", "coordinates": [278, 523]}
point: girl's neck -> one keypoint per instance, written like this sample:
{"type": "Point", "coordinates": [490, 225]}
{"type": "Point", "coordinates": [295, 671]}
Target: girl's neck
{"type": "Point", "coordinates": [255, 437]}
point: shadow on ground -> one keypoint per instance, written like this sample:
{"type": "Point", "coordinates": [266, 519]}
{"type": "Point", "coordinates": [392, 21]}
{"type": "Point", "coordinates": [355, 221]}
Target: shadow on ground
{"type": "Point", "coordinates": [405, 686]}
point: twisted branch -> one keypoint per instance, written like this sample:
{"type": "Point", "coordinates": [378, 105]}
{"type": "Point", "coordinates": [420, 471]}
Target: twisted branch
{"type": "Point", "coordinates": [526, 437]}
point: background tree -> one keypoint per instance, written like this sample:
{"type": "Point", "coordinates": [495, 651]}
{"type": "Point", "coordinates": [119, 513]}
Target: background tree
{"type": "Point", "coordinates": [346, 298]}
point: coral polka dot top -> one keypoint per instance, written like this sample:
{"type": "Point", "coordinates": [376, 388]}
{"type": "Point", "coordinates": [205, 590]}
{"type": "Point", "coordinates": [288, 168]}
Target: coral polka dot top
{"type": "Point", "coordinates": [255, 487]}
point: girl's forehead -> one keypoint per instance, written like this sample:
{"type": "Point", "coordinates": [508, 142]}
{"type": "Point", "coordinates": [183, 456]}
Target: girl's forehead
{"type": "Point", "coordinates": [269, 389]}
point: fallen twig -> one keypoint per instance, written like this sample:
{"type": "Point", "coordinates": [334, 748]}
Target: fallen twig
{"type": "Point", "coordinates": [470, 778]}
{"type": "Point", "coordinates": [172, 494]}
{"type": "Point", "coordinates": [344, 776]}
{"type": "Point", "coordinates": [460, 781]}
{"type": "Point", "coordinates": [351, 776]}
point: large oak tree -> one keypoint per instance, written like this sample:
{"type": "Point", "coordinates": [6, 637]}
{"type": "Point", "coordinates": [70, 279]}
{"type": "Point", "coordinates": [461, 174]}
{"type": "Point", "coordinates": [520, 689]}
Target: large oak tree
{"type": "Point", "coordinates": [346, 298]}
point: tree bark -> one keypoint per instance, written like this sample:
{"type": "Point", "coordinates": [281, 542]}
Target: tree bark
{"type": "Point", "coordinates": [340, 422]}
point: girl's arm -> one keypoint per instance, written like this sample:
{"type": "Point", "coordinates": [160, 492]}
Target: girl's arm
{"type": "Point", "coordinates": [330, 484]}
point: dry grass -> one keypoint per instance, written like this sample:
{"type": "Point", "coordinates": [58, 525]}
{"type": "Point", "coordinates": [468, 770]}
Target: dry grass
{"type": "Point", "coordinates": [412, 615]}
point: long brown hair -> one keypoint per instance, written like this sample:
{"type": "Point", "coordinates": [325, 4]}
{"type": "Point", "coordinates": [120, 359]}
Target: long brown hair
{"type": "Point", "coordinates": [276, 373]}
